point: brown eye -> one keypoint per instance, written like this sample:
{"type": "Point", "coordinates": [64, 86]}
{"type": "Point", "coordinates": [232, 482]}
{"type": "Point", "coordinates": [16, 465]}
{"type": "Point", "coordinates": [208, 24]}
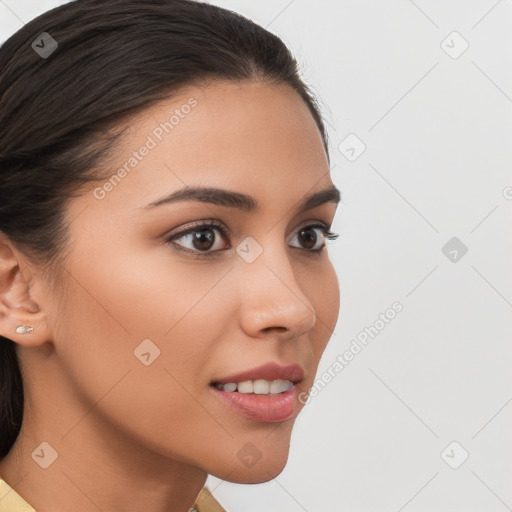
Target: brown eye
{"type": "Point", "coordinates": [201, 239]}
{"type": "Point", "coordinates": [309, 239]}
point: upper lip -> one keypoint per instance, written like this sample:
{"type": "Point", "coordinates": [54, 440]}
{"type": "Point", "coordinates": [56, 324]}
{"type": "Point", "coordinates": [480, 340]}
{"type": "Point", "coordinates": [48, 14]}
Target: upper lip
{"type": "Point", "coordinates": [270, 371]}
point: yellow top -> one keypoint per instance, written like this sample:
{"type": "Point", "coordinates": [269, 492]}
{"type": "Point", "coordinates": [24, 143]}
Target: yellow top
{"type": "Point", "coordinates": [11, 501]}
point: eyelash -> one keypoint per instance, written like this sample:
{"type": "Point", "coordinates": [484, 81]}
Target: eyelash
{"type": "Point", "coordinates": [225, 232]}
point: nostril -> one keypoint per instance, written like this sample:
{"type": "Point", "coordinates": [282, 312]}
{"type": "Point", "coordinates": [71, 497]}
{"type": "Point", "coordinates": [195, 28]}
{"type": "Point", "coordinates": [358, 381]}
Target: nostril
{"type": "Point", "coordinates": [280, 329]}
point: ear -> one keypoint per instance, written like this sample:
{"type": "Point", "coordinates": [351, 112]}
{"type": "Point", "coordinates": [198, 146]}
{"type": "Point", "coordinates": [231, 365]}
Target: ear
{"type": "Point", "coordinates": [17, 305]}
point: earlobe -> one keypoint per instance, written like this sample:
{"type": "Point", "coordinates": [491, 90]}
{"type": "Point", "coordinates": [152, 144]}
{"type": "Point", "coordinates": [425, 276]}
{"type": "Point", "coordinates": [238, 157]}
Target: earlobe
{"type": "Point", "coordinates": [24, 329]}
{"type": "Point", "coordinates": [21, 318]}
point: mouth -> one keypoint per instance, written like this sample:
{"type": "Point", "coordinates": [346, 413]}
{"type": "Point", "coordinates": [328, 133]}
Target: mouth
{"type": "Point", "coordinates": [264, 379]}
{"type": "Point", "coordinates": [265, 394]}
{"type": "Point", "coordinates": [258, 386]}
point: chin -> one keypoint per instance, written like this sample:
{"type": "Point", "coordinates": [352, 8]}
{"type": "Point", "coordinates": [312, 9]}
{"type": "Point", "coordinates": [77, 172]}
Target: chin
{"type": "Point", "coordinates": [258, 474]}
{"type": "Point", "coordinates": [252, 465]}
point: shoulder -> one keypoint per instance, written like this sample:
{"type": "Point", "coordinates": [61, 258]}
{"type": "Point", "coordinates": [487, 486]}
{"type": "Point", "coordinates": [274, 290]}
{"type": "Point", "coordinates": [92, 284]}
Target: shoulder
{"type": "Point", "coordinates": [11, 501]}
{"type": "Point", "coordinates": [205, 502]}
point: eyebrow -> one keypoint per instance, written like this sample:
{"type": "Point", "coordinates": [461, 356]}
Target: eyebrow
{"type": "Point", "coordinates": [243, 202]}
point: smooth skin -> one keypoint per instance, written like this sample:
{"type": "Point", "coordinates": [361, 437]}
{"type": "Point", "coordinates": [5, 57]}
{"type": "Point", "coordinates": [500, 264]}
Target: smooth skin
{"type": "Point", "coordinates": [132, 437]}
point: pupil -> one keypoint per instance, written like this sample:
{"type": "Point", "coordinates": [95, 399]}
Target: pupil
{"type": "Point", "coordinates": [203, 240]}
{"type": "Point", "coordinates": [308, 241]}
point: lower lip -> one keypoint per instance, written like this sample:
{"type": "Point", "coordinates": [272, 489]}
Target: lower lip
{"type": "Point", "coordinates": [268, 408]}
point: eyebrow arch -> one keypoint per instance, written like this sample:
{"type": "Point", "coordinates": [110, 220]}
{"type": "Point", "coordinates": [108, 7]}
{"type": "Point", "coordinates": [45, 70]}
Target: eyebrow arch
{"type": "Point", "coordinates": [243, 202]}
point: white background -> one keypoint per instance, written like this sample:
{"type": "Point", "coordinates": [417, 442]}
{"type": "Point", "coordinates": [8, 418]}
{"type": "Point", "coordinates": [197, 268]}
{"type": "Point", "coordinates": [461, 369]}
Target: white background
{"type": "Point", "coordinates": [437, 164]}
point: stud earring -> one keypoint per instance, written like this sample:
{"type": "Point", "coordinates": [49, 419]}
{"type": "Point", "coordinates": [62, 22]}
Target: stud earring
{"type": "Point", "coordinates": [23, 329]}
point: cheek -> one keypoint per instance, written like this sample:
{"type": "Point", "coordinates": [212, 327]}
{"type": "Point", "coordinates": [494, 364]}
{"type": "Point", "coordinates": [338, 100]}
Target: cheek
{"type": "Point", "coordinates": [323, 292]}
{"type": "Point", "coordinates": [332, 300]}
{"type": "Point", "coordinates": [147, 388]}
{"type": "Point", "coordinates": [173, 312]}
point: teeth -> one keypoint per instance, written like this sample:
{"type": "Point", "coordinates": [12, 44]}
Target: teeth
{"type": "Point", "coordinates": [261, 387]}
{"type": "Point", "coordinates": [278, 386]}
{"type": "Point", "coordinates": [258, 387]}
{"type": "Point", "coordinates": [245, 387]}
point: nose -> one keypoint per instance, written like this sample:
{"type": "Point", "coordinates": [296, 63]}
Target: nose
{"type": "Point", "coordinates": [271, 298]}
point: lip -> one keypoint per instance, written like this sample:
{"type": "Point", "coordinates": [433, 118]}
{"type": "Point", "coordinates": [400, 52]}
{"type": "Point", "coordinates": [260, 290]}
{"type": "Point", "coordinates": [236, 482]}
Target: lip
{"type": "Point", "coordinates": [269, 371]}
{"type": "Point", "coordinates": [263, 408]}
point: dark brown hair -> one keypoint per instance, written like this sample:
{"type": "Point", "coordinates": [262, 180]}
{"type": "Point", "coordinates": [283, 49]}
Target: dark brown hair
{"type": "Point", "coordinates": [113, 58]}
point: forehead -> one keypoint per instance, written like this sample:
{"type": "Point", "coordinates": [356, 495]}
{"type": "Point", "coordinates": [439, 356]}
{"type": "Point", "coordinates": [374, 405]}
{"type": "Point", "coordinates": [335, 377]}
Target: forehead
{"type": "Point", "coordinates": [251, 137]}
{"type": "Point", "coordinates": [228, 118]}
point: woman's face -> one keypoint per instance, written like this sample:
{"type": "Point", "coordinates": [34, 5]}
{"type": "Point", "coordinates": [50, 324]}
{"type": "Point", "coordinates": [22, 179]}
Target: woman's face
{"type": "Point", "coordinates": [150, 323]}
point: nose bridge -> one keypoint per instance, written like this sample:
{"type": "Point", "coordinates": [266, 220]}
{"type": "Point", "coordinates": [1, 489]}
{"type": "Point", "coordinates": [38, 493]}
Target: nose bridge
{"type": "Point", "coordinates": [271, 295]}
